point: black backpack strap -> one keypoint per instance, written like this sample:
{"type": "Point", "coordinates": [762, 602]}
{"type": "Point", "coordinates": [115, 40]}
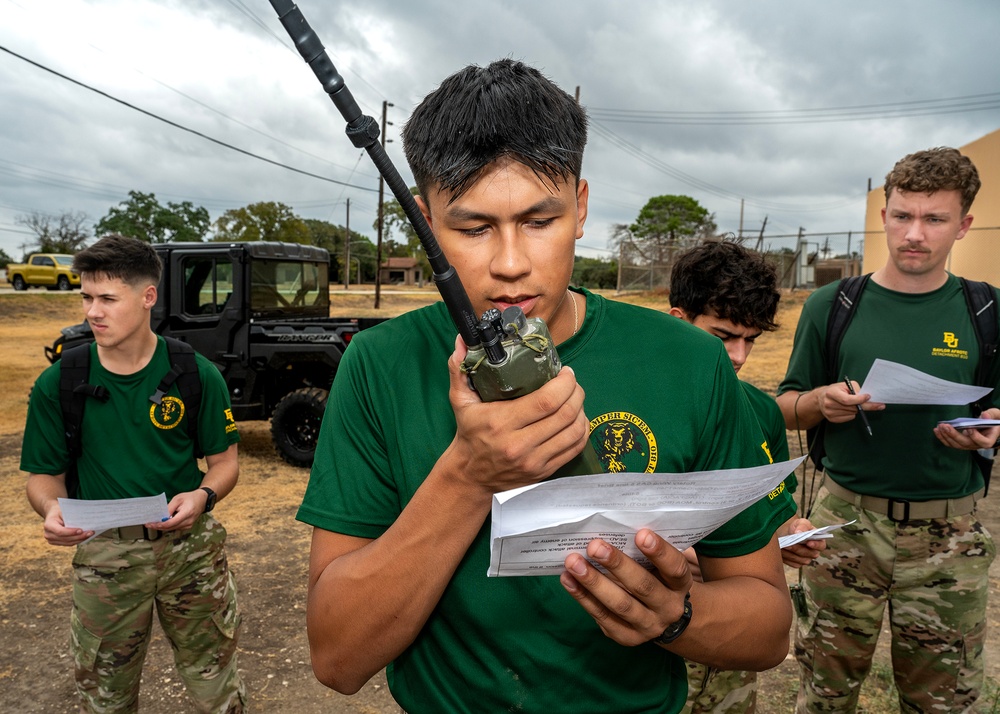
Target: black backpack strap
{"type": "Point", "coordinates": [183, 371]}
{"type": "Point", "coordinates": [842, 311]}
{"type": "Point", "coordinates": [74, 389]}
{"type": "Point", "coordinates": [981, 300]}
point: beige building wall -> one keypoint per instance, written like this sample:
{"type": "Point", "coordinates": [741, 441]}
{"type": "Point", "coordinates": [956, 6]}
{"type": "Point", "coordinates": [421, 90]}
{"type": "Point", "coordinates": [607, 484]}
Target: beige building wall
{"type": "Point", "coordinates": [977, 255]}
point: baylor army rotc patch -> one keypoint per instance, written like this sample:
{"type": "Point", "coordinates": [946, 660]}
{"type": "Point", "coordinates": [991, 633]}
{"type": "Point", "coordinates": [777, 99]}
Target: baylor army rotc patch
{"type": "Point", "coordinates": [623, 442]}
{"type": "Point", "coordinates": [167, 414]}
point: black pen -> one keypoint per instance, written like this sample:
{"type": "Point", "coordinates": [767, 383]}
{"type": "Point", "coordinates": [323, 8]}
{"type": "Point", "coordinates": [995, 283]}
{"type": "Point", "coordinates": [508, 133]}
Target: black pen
{"type": "Point", "coordinates": [847, 381]}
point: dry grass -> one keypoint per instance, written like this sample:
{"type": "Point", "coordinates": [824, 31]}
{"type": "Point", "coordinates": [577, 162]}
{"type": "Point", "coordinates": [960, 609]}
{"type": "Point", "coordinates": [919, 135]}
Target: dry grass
{"type": "Point", "coordinates": [268, 548]}
{"type": "Point", "coordinates": [31, 321]}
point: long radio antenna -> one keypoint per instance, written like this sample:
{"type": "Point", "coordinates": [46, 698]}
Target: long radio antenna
{"type": "Point", "coordinates": [364, 132]}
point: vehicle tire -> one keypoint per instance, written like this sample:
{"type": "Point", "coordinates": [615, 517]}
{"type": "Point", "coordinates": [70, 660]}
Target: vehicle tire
{"type": "Point", "coordinates": [19, 283]}
{"type": "Point", "coordinates": [64, 283]}
{"type": "Point", "coordinates": [295, 425]}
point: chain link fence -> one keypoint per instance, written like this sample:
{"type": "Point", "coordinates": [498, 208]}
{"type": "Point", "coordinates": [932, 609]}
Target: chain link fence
{"type": "Point", "coordinates": [805, 260]}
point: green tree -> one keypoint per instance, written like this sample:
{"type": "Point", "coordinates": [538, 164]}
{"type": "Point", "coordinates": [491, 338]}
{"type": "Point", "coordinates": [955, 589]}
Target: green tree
{"type": "Point", "coordinates": [395, 223]}
{"type": "Point", "coordinates": [5, 259]}
{"type": "Point", "coordinates": [267, 220]}
{"type": "Point", "coordinates": [142, 217]}
{"type": "Point", "coordinates": [327, 235]}
{"type": "Point", "coordinates": [666, 223]}
{"type": "Point", "coordinates": [55, 234]}
{"type": "Point", "coordinates": [595, 273]}
{"type": "Point", "coordinates": [364, 254]}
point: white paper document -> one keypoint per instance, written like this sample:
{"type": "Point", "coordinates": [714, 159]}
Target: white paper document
{"type": "Point", "coordinates": [814, 534]}
{"type": "Point", "coordinates": [535, 527]}
{"type": "Point", "coordinates": [894, 383]}
{"type": "Point", "coordinates": [971, 423]}
{"type": "Point", "coordinates": [98, 516]}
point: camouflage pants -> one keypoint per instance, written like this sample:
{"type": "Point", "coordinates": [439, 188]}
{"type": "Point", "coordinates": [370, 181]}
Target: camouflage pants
{"type": "Point", "coordinates": [186, 576]}
{"type": "Point", "coordinates": [718, 691]}
{"type": "Point", "coordinates": [934, 576]}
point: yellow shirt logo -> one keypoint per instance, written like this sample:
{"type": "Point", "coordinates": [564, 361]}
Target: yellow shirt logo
{"type": "Point", "coordinates": [167, 414]}
{"type": "Point", "coordinates": [950, 340]}
{"type": "Point", "coordinates": [624, 443]}
{"type": "Point", "coordinates": [770, 459]}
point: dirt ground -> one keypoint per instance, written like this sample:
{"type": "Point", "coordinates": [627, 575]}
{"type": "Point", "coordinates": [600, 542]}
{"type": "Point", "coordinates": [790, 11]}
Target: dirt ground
{"type": "Point", "coordinates": [268, 550]}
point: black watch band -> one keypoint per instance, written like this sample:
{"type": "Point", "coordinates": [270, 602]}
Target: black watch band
{"type": "Point", "coordinates": [676, 629]}
{"type": "Point", "coordinates": [212, 498]}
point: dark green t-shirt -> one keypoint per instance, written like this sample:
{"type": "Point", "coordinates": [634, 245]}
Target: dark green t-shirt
{"type": "Point", "coordinates": [662, 396]}
{"type": "Point", "coordinates": [931, 332]}
{"type": "Point", "coordinates": [131, 447]}
{"type": "Point", "coordinates": [772, 423]}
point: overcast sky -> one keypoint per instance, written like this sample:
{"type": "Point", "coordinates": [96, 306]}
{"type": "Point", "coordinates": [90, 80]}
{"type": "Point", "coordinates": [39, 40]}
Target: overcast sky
{"type": "Point", "coordinates": [791, 106]}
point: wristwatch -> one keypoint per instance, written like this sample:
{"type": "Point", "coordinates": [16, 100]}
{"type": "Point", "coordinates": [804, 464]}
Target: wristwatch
{"type": "Point", "coordinates": [212, 498]}
{"type": "Point", "coordinates": [676, 629]}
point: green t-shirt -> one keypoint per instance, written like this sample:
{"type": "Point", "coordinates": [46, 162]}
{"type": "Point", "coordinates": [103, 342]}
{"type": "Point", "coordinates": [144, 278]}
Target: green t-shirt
{"type": "Point", "coordinates": [772, 423]}
{"type": "Point", "coordinates": [662, 397]}
{"type": "Point", "coordinates": [931, 332]}
{"type": "Point", "coordinates": [130, 446]}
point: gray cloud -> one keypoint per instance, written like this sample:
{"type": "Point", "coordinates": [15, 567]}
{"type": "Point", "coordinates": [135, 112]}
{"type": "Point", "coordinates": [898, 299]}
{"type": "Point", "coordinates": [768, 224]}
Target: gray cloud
{"type": "Point", "coordinates": [227, 70]}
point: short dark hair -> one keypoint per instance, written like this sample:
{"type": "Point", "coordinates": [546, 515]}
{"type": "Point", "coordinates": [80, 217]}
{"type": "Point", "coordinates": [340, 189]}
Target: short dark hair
{"type": "Point", "coordinates": [736, 283]}
{"type": "Point", "coordinates": [940, 169]}
{"type": "Point", "coordinates": [119, 257]}
{"type": "Point", "coordinates": [481, 114]}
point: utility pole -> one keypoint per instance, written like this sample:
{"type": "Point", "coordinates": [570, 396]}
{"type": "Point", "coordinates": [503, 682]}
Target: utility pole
{"type": "Point", "coordinates": [347, 249]}
{"type": "Point", "coordinates": [760, 238]}
{"type": "Point", "coordinates": [803, 259]}
{"type": "Point", "coordinates": [381, 215]}
{"type": "Point", "coordinates": [741, 221]}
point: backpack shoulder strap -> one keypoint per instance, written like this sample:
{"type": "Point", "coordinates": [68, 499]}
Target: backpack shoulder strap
{"type": "Point", "coordinates": [183, 371]}
{"type": "Point", "coordinates": [74, 370]}
{"type": "Point", "coordinates": [981, 300]}
{"type": "Point", "coordinates": [841, 313]}
{"type": "Point", "coordinates": [74, 390]}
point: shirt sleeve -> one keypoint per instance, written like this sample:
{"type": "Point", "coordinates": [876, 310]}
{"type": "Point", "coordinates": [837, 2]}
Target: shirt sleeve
{"type": "Point", "coordinates": [44, 450]}
{"type": "Point", "coordinates": [736, 441]}
{"type": "Point", "coordinates": [351, 490]}
{"type": "Point", "coordinates": [217, 430]}
{"type": "Point", "coordinates": [805, 366]}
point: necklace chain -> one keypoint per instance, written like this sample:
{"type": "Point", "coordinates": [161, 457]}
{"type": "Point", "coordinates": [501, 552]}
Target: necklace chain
{"type": "Point", "coordinates": [576, 314]}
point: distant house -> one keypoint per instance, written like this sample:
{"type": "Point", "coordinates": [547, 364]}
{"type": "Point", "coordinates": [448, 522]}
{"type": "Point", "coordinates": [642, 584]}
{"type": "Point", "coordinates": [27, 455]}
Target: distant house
{"type": "Point", "coordinates": [977, 255]}
{"type": "Point", "coordinates": [401, 271]}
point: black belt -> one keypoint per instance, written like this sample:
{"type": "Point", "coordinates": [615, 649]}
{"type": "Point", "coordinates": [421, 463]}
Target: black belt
{"type": "Point", "coordinates": [132, 533]}
{"type": "Point", "coordinates": [901, 510]}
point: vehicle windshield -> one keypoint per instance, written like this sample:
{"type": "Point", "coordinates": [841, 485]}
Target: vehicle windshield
{"type": "Point", "coordinates": [288, 284]}
{"type": "Point", "coordinates": [66, 260]}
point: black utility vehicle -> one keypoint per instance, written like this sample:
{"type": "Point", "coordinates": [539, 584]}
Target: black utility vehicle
{"type": "Point", "coordinates": [260, 312]}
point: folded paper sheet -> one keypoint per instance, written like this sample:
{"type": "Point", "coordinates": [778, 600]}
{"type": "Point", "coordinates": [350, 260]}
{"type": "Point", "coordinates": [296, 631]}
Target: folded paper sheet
{"type": "Point", "coordinates": [535, 527]}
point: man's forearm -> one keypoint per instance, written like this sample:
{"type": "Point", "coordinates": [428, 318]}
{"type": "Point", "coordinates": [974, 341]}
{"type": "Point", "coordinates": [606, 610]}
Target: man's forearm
{"type": "Point", "coordinates": [801, 410]}
{"type": "Point", "coordinates": [43, 490]}
{"type": "Point", "coordinates": [739, 623]}
{"type": "Point", "coordinates": [368, 600]}
{"type": "Point", "coordinates": [223, 471]}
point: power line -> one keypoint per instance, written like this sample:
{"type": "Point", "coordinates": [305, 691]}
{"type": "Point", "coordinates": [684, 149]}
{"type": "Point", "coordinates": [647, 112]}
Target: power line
{"type": "Point", "coordinates": [184, 128]}
{"type": "Point", "coordinates": [239, 5]}
{"type": "Point", "coordinates": [698, 183]}
{"type": "Point", "coordinates": [862, 112]}
{"type": "Point", "coordinates": [248, 126]}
